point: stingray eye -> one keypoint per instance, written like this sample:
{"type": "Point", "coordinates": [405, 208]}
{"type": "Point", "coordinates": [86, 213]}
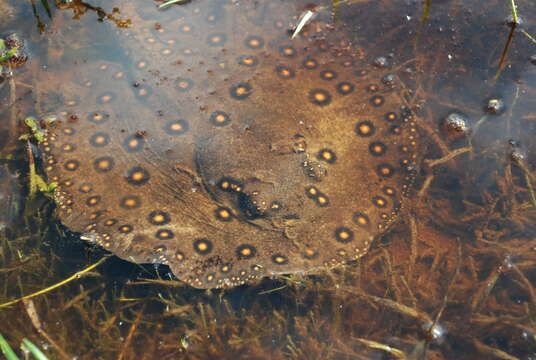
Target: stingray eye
{"type": "Point", "coordinates": [249, 206]}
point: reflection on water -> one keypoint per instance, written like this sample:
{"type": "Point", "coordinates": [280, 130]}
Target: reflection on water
{"type": "Point", "coordinates": [451, 278]}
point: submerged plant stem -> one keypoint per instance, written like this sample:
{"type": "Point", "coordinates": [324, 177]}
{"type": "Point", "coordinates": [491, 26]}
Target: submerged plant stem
{"type": "Point", "coordinates": [449, 156]}
{"type": "Point", "coordinates": [57, 285]}
{"type": "Point", "coordinates": [515, 17]}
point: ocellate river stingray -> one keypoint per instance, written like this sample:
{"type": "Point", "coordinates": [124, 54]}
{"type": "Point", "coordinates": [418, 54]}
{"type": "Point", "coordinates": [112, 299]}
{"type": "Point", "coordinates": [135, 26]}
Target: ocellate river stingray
{"type": "Point", "coordinates": [227, 149]}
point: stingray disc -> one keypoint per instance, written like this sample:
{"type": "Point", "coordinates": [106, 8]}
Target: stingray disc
{"type": "Point", "coordinates": [227, 150]}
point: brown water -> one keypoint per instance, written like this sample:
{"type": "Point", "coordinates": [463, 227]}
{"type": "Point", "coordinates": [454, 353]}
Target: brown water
{"type": "Point", "coordinates": [455, 251]}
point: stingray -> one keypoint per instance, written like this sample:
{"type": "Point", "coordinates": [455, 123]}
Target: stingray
{"type": "Point", "coordinates": [228, 149]}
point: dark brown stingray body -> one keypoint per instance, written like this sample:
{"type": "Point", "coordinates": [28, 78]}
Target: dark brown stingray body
{"type": "Point", "coordinates": [228, 150]}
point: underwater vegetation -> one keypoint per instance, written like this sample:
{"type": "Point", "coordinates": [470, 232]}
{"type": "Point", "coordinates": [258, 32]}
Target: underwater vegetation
{"type": "Point", "coordinates": [450, 277]}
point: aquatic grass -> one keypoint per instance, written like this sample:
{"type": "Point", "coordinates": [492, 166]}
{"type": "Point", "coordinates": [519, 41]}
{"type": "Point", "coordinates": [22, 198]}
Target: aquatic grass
{"type": "Point", "coordinates": [6, 55]}
{"type": "Point", "coordinates": [513, 7]}
{"type": "Point", "coordinates": [515, 23]}
{"type": "Point", "coordinates": [35, 131]}
{"type": "Point", "coordinates": [26, 346]}
{"type": "Point", "coordinates": [75, 276]}
{"type": "Point", "coordinates": [529, 36]}
{"type": "Point", "coordinates": [36, 183]}
{"type": "Point", "coordinates": [7, 350]}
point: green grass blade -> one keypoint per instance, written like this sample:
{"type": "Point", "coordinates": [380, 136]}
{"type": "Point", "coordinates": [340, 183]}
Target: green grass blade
{"type": "Point", "coordinates": [7, 350]}
{"type": "Point", "coordinates": [8, 54]}
{"type": "Point", "coordinates": [27, 345]}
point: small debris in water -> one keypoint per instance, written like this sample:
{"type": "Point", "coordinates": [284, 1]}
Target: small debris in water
{"type": "Point", "coordinates": [305, 17]}
{"type": "Point", "coordinates": [380, 62]}
{"type": "Point", "coordinates": [517, 155]}
{"type": "Point", "coordinates": [171, 2]}
{"type": "Point", "coordinates": [495, 106]}
{"type": "Point", "coordinates": [389, 80]}
{"type": "Point", "coordinates": [457, 124]}
{"type": "Point", "coordinates": [512, 20]}
{"type": "Point", "coordinates": [435, 331]}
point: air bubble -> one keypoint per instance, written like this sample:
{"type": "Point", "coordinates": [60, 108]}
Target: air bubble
{"type": "Point", "coordinates": [389, 80]}
{"type": "Point", "coordinates": [456, 124]}
{"type": "Point", "coordinates": [495, 106]}
{"type": "Point", "coordinates": [435, 332]}
{"type": "Point", "coordinates": [380, 62]}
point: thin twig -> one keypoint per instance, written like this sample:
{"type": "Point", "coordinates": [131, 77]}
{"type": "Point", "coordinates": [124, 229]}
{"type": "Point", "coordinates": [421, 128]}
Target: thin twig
{"type": "Point", "coordinates": [34, 317]}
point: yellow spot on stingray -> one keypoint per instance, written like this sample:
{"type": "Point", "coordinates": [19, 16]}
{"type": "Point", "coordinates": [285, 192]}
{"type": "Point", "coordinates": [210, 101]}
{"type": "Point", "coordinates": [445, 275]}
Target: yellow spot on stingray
{"type": "Point", "coordinates": [137, 176]}
{"type": "Point", "coordinates": [365, 129]}
{"type": "Point", "coordinates": [254, 42]}
{"type": "Point", "coordinates": [344, 235]}
{"type": "Point", "coordinates": [106, 98]}
{"type": "Point", "coordinates": [322, 200]}
{"type": "Point", "coordinates": [130, 202]}
{"type": "Point", "coordinates": [224, 214]}
{"type": "Point", "coordinates": [385, 170]}
{"type": "Point", "coordinates": [241, 90]}
{"type": "Point", "coordinates": [362, 220]}
{"type": "Point", "coordinates": [327, 155]}
{"type": "Point", "coordinates": [248, 60]}
{"type": "Point", "coordinates": [320, 97]}
{"type": "Point", "coordinates": [133, 143]}
{"type": "Point", "coordinates": [220, 118]}
{"type": "Point", "coordinates": [103, 164]}
{"type": "Point", "coordinates": [71, 165]}
{"type": "Point", "coordinates": [345, 87]}
{"type": "Point", "coordinates": [310, 252]}
{"type": "Point", "coordinates": [377, 149]}
{"type": "Point", "coordinates": [100, 140]}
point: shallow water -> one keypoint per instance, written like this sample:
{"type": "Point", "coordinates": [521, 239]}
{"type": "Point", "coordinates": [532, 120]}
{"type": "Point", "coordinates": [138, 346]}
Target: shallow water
{"type": "Point", "coordinates": [461, 254]}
